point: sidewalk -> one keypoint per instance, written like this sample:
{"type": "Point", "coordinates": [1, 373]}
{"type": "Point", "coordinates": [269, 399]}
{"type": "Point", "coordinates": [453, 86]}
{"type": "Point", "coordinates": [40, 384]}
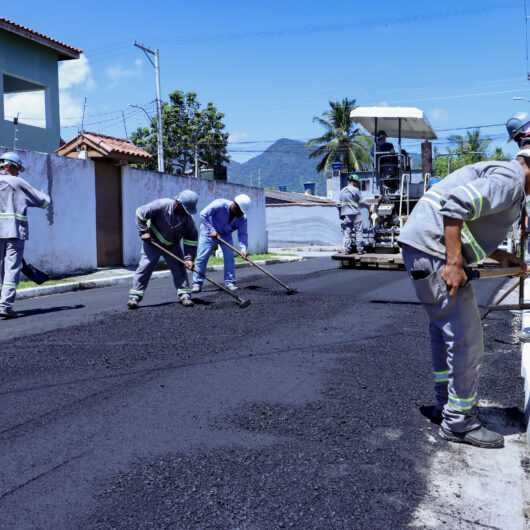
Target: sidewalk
{"type": "Point", "coordinates": [122, 276]}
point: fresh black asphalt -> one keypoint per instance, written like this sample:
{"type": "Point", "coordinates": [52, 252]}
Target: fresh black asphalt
{"type": "Point", "coordinates": [299, 412]}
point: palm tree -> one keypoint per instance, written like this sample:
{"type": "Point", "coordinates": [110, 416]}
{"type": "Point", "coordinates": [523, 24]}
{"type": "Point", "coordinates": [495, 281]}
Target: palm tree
{"type": "Point", "coordinates": [472, 147]}
{"type": "Point", "coordinates": [342, 141]}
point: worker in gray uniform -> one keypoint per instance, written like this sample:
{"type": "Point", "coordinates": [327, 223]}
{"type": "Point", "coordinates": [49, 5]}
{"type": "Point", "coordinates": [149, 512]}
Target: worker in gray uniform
{"type": "Point", "coordinates": [350, 215]}
{"type": "Point", "coordinates": [462, 220]}
{"type": "Point", "coordinates": [170, 223]}
{"type": "Point", "coordinates": [16, 196]}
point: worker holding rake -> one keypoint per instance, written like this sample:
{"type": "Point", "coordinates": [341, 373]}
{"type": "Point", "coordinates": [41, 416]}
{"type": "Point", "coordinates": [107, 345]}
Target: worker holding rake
{"type": "Point", "coordinates": [169, 223]}
{"type": "Point", "coordinates": [462, 220]}
{"type": "Point", "coordinates": [218, 220]}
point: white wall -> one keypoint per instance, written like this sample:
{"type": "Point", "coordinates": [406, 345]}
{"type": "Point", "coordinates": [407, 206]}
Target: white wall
{"type": "Point", "coordinates": [140, 187]}
{"type": "Point", "coordinates": [303, 225]}
{"type": "Point", "coordinates": [62, 239]}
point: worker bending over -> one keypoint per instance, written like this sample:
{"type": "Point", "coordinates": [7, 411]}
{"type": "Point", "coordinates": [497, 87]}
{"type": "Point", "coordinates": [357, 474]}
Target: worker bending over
{"type": "Point", "coordinates": [170, 223]}
{"type": "Point", "coordinates": [462, 220]}
{"type": "Point", "coordinates": [350, 215]}
{"type": "Point", "coordinates": [218, 220]}
{"type": "Point", "coordinates": [16, 196]}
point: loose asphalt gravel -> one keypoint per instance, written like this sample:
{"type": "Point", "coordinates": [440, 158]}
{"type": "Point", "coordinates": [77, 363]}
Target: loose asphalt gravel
{"type": "Point", "coordinates": [299, 412]}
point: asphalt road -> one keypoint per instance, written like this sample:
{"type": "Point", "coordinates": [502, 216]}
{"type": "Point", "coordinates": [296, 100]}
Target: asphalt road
{"type": "Point", "coordinates": [299, 412]}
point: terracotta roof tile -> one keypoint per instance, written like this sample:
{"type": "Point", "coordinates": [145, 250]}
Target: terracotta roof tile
{"type": "Point", "coordinates": [65, 51]}
{"type": "Point", "coordinates": [116, 145]}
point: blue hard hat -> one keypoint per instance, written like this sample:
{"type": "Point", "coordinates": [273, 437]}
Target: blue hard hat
{"type": "Point", "coordinates": [189, 200]}
{"type": "Point", "coordinates": [517, 124]}
{"type": "Point", "coordinates": [12, 158]}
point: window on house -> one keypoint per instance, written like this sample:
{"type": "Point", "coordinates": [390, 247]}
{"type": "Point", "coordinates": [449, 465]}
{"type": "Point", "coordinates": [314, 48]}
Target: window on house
{"type": "Point", "coordinates": [25, 99]}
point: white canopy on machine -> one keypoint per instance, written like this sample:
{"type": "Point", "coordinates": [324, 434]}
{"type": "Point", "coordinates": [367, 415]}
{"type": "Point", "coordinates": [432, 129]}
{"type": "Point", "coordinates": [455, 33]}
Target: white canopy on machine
{"type": "Point", "coordinates": [414, 124]}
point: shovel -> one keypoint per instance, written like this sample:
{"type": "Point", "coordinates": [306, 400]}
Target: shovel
{"type": "Point", "coordinates": [241, 302]}
{"type": "Point", "coordinates": [32, 273]}
{"type": "Point", "coordinates": [289, 290]}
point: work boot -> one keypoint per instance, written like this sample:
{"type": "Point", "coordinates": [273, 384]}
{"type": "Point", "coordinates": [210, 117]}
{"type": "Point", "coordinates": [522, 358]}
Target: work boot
{"type": "Point", "coordinates": [7, 313]}
{"type": "Point", "coordinates": [480, 437]}
{"type": "Point", "coordinates": [133, 303]}
{"type": "Point", "coordinates": [196, 288]}
{"type": "Point", "coordinates": [186, 301]}
{"type": "Point", "coordinates": [231, 286]}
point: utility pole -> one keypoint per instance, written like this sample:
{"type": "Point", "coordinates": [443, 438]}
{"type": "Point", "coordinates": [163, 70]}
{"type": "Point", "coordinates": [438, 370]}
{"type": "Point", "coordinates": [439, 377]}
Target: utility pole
{"type": "Point", "coordinates": [124, 124]}
{"type": "Point", "coordinates": [153, 57]}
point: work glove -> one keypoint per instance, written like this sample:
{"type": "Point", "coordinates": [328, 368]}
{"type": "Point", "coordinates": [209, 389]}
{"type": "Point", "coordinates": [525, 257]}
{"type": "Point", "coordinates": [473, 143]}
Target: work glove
{"type": "Point", "coordinates": [146, 236]}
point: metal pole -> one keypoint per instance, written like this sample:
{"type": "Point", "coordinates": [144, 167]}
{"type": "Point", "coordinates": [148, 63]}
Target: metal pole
{"type": "Point", "coordinates": [159, 114]}
{"type": "Point", "coordinates": [156, 65]}
{"type": "Point", "coordinates": [196, 162]}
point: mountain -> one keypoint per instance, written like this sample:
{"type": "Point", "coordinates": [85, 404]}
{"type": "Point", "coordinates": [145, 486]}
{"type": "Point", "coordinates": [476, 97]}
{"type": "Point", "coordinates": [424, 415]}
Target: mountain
{"type": "Point", "coordinates": [284, 163]}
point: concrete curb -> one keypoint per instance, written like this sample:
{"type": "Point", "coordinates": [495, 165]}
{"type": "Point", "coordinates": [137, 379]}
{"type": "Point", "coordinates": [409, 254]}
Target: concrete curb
{"type": "Point", "coordinates": [68, 287]}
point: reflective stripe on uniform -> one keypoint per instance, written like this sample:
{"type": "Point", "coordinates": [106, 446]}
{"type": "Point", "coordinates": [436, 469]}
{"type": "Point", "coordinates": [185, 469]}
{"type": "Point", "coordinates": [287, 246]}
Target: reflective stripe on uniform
{"type": "Point", "coordinates": [183, 291]}
{"type": "Point", "coordinates": [441, 376]}
{"type": "Point", "coordinates": [10, 284]}
{"type": "Point", "coordinates": [17, 216]}
{"type": "Point", "coordinates": [190, 243]}
{"type": "Point", "coordinates": [136, 294]}
{"type": "Point", "coordinates": [462, 404]}
{"type": "Point", "coordinates": [475, 197]}
{"type": "Point", "coordinates": [430, 201]}
{"type": "Point", "coordinates": [469, 239]}
{"type": "Point", "coordinates": [159, 236]}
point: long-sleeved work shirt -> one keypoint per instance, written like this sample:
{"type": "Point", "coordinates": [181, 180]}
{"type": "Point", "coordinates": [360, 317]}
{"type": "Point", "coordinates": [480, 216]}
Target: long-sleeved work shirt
{"type": "Point", "coordinates": [349, 201]}
{"type": "Point", "coordinates": [216, 218]}
{"type": "Point", "coordinates": [16, 196]}
{"type": "Point", "coordinates": [167, 225]}
{"type": "Point", "coordinates": [488, 197]}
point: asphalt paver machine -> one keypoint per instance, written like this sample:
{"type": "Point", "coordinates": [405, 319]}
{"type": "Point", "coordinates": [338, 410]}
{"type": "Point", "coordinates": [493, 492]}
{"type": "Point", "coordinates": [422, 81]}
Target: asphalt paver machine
{"type": "Point", "coordinates": [391, 189]}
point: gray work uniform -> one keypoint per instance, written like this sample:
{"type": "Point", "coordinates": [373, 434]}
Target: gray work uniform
{"type": "Point", "coordinates": [171, 229]}
{"type": "Point", "coordinates": [351, 218]}
{"type": "Point", "coordinates": [16, 196]}
{"type": "Point", "coordinates": [488, 197]}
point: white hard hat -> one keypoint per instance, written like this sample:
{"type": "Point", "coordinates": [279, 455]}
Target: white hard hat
{"type": "Point", "coordinates": [12, 158]}
{"type": "Point", "coordinates": [243, 201]}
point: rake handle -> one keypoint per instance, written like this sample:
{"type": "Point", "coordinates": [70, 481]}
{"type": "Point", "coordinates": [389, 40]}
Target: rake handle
{"type": "Point", "coordinates": [193, 269]}
{"type": "Point", "coordinates": [259, 267]}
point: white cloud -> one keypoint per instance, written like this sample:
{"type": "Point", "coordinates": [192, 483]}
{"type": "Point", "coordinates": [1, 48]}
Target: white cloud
{"type": "Point", "coordinates": [118, 72]}
{"type": "Point", "coordinates": [439, 114]}
{"type": "Point", "coordinates": [30, 106]}
{"type": "Point", "coordinates": [75, 73]}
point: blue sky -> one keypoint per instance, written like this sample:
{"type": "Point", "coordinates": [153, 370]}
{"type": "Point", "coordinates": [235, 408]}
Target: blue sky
{"type": "Point", "coordinates": [272, 66]}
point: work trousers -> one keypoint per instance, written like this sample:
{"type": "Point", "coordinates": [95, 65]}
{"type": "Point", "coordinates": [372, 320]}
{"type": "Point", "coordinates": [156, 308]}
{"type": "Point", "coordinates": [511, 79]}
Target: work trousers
{"type": "Point", "coordinates": [456, 339]}
{"type": "Point", "coordinates": [207, 246]}
{"type": "Point", "coordinates": [149, 258]}
{"type": "Point", "coordinates": [352, 232]}
{"type": "Point", "coordinates": [11, 254]}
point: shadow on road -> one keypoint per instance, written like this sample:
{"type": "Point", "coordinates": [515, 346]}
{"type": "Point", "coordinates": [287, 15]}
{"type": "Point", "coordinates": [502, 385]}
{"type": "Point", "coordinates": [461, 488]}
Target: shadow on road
{"type": "Point", "coordinates": [44, 310]}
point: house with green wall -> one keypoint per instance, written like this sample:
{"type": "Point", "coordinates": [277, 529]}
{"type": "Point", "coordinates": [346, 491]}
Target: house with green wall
{"type": "Point", "coordinates": [29, 87]}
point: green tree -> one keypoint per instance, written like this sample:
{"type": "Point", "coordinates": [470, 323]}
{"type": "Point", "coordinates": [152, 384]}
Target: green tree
{"type": "Point", "coordinates": [465, 150]}
{"type": "Point", "coordinates": [343, 141]}
{"type": "Point", "coordinates": [189, 132]}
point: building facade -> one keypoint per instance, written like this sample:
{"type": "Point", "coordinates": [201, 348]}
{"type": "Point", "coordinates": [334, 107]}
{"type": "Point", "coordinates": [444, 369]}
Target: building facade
{"type": "Point", "coordinates": [29, 87]}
